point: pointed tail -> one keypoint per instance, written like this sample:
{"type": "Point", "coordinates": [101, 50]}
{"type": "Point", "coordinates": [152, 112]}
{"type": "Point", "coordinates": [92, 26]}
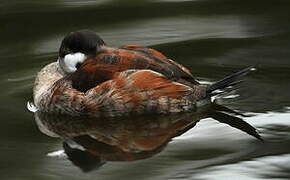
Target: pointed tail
{"type": "Point", "coordinates": [229, 81]}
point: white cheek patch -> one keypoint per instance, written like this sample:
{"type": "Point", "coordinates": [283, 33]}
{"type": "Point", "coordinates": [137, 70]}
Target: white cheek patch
{"type": "Point", "coordinates": [71, 60]}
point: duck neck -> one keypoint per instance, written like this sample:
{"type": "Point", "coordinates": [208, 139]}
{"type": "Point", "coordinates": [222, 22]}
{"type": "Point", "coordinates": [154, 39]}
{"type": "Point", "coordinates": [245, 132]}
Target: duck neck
{"type": "Point", "coordinates": [45, 79]}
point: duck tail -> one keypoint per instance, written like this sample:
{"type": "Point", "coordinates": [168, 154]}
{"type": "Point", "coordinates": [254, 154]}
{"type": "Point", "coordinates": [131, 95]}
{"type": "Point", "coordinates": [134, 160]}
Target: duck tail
{"type": "Point", "coordinates": [228, 82]}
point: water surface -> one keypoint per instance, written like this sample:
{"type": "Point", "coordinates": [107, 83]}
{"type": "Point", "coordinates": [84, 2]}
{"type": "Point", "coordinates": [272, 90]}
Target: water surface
{"type": "Point", "coordinates": [213, 38]}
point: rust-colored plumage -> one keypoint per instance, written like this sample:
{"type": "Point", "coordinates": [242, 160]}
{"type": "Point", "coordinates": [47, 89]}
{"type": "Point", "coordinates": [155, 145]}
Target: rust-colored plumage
{"type": "Point", "coordinates": [109, 61]}
{"type": "Point", "coordinates": [132, 79]}
{"type": "Point", "coordinates": [91, 79]}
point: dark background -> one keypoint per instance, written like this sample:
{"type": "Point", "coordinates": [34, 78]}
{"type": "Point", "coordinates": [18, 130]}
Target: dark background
{"type": "Point", "coordinates": [213, 38]}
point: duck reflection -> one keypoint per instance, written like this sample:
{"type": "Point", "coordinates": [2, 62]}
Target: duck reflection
{"type": "Point", "coordinates": [89, 143]}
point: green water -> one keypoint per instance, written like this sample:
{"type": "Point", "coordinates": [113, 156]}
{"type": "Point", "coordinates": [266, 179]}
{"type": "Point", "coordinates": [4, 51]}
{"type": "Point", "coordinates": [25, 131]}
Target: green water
{"type": "Point", "coordinates": [213, 38]}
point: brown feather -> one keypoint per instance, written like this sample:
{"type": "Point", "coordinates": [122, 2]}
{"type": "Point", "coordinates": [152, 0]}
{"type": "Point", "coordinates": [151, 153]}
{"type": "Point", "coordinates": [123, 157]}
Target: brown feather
{"type": "Point", "coordinates": [110, 61]}
{"type": "Point", "coordinates": [139, 91]}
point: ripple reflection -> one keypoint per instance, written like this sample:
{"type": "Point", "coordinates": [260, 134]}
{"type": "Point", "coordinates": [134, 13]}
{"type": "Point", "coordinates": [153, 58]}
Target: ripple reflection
{"type": "Point", "coordinates": [90, 143]}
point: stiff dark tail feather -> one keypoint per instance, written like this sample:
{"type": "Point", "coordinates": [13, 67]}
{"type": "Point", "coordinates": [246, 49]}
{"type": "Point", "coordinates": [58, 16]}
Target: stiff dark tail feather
{"type": "Point", "coordinates": [228, 81]}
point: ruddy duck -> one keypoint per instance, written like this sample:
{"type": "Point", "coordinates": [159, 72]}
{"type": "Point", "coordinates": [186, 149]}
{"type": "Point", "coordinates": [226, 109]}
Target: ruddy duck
{"type": "Point", "coordinates": [92, 79]}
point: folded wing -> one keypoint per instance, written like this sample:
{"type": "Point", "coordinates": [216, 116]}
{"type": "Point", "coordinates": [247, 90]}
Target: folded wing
{"type": "Point", "coordinates": [141, 91]}
{"type": "Point", "coordinates": [109, 61]}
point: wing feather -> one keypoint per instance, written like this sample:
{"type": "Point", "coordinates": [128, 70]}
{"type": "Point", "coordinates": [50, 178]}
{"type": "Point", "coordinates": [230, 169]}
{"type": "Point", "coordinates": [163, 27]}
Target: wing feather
{"type": "Point", "coordinates": [139, 91]}
{"type": "Point", "coordinates": [110, 61]}
{"type": "Point", "coordinates": [128, 92]}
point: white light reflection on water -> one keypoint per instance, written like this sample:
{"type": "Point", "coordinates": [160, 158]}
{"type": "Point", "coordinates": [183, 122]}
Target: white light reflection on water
{"type": "Point", "coordinates": [249, 159]}
{"type": "Point", "coordinates": [257, 120]}
{"type": "Point", "coordinates": [257, 168]}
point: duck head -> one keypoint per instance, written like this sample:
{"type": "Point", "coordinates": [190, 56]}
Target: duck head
{"type": "Point", "coordinates": [76, 47]}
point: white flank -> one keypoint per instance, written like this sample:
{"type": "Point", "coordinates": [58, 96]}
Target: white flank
{"type": "Point", "coordinates": [71, 60]}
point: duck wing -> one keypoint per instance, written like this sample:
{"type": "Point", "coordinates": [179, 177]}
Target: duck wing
{"type": "Point", "coordinates": [128, 92]}
{"type": "Point", "coordinates": [141, 92]}
{"type": "Point", "coordinates": [110, 61]}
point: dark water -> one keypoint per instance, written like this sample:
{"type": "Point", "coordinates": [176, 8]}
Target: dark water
{"type": "Point", "coordinates": [212, 37]}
